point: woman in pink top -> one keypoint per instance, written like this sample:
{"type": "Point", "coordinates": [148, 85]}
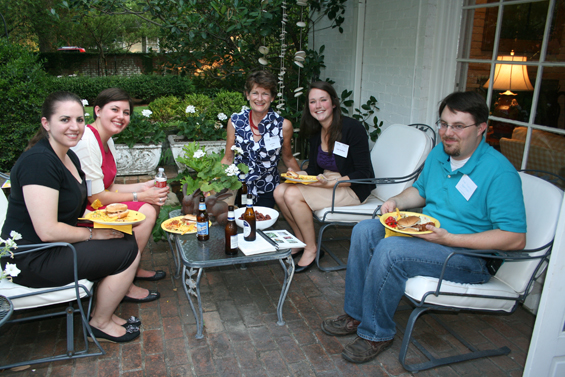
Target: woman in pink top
{"type": "Point", "coordinates": [112, 110]}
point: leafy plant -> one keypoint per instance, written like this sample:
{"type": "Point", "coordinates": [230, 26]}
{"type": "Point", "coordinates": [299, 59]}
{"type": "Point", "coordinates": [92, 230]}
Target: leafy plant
{"type": "Point", "coordinates": [199, 128]}
{"type": "Point", "coordinates": [165, 109]}
{"type": "Point", "coordinates": [363, 114]}
{"type": "Point", "coordinates": [140, 130]}
{"type": "Point", "coordinates": [227, 103]}
{"type": "Point", "coordinates": [23, 88]}
{"type": "Point", "coordinates": [211, 174]}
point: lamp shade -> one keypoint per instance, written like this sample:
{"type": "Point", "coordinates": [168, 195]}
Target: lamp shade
{"type": "Point", "coordinates": [511, 76]}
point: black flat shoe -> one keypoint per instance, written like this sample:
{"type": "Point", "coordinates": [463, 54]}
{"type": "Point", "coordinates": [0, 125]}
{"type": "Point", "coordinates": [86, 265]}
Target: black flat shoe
{"type": "Point", "coordinates": [152, 296]}
{"type": "Point", "coordinates": [159, 274]}
{"type": "Point", "coordinates": [298, 268]}
{"type": "Point", "coordinates": [133, 321]}
{"type": "Point", "coordinates": [132, 332]}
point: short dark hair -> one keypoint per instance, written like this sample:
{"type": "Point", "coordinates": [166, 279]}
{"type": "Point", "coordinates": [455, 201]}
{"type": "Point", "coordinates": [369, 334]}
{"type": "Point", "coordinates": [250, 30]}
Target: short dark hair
{"type": "Point", "coordinates": [263, 79]}
{"type": "Point", "coordinates": [47, 111]}
{"type": "Point", "coordinates": [111, 95]}
{"type": "Point", "coordinates": [468, 102]}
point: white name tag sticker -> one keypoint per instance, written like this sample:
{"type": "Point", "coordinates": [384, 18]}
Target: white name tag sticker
{"type": "Point", "coordinates": [272, 142]}
{"type": "Point", "coordinates": [466, 187]}
{"type": "Point", "coordinates": [341, 149]}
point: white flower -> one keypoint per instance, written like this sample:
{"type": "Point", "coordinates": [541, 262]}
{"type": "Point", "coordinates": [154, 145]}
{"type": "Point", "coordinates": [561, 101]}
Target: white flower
{"type": "Point", "coordinates": [237, 149]}
{"type": "Point", "coordinates": [86, 114]}
{"type": "Point", "coordinates": [146, 113]}
{"type": "Point", "coordinates": [232, 170]}
{"type": "Point", "coordinates": [12, 270]}
{"type": "Point", "coordinates": [15, 235]}
{"type": "Point", "coordinates": [243, 108]}
{"type": "Point", "coordinates": [84, 102]}
{"type": "Point", "coordinates": [10, 243]}
{"type": "Point", "coordinates": [199, 153]}
{"type": "Point", "coordinates": [218, 126]}
{"type": "Point", "coordinates": [190, 109]}
{"type": "Point", "coordinates": [222, 116]}
{"type": "Point", "coordinates": [59, 76]}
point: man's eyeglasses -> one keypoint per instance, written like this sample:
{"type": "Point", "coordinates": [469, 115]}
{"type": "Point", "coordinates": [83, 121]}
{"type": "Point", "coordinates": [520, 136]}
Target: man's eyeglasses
{"type": "Point", "coordinates": [441, 125]}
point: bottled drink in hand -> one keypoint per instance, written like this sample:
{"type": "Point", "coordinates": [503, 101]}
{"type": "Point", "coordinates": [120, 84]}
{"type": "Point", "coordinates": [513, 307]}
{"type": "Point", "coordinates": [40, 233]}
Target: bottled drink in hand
{"type": "Point", "coordinates": [161, 179]}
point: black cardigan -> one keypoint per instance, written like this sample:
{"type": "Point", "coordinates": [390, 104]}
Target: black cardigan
{"type": "Point", "coordinates": [358, 162]}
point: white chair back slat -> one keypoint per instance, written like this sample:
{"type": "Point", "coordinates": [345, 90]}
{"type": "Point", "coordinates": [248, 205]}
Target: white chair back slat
{"type": "Point", "coordinates": [398, 152]}
{"type": "Point", "coordinates": [540, 198]}
{"type": "Point", "coordinates": [3, 208]}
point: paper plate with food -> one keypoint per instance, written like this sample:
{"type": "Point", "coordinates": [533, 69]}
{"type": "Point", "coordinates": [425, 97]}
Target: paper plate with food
{"type": "Point", "coordinates": [181, 224]}
{"type": "Point", "coordinates": [298, 178]}
{"type": "Point", "coordinates": [115, 214]}
{"type": "Point", "coordinates": [408, 222]}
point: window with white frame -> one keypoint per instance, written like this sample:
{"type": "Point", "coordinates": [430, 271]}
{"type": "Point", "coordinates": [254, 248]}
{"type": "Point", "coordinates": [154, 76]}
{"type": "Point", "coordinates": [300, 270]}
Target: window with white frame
{"type": "Point", "coordinates": [513, 52]}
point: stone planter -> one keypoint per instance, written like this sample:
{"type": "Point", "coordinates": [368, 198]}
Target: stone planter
{"type": "Point", "coordinates": [142, 159]}
{"type": "Point", "coordinates": [178, 142]}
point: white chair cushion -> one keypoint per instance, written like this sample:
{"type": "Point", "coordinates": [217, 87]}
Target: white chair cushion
{"type": "Point", "coordinates": [366, 208]}
{"type": "Point", "coordinates": [417, 286]}
{"type": "Point", "coordinates": [10, 289]}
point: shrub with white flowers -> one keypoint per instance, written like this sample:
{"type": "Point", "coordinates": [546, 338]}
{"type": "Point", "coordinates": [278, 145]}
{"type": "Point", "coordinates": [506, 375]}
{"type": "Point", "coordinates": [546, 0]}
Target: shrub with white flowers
{"type": "Point", "coordinates": [211, 174]}
{"type": "Point", "coordinates": [11, 270]}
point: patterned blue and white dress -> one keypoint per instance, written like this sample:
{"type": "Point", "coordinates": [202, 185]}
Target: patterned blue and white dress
{"type": "Point", "coordinates": [263, 174]}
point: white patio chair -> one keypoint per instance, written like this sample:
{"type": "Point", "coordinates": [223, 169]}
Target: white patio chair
{"type": "Point", "coordinates": [398, 158]}
{"type": "Point", "coordinates": [504, 291]}
{"type": "Point", "coordinates": [29, 298]}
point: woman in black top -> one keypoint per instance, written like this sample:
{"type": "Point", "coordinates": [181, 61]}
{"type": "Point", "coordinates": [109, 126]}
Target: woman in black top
{"type": "Point", "coordinates": [47, 197]}
{"type": "Point", "coordinates": [339, 150]}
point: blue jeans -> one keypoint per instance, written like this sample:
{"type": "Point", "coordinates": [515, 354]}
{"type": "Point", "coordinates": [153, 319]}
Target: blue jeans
{"type": "Point", "coordinates": [378, 268]}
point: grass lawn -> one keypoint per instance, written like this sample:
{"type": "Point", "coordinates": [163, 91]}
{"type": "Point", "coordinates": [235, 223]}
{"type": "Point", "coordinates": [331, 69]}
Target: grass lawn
{"type": "Point", "coordinates": [137, 109]}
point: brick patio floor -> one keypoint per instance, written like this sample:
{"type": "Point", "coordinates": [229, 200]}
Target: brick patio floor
{"type": "Point", "coordinates": [241, 337]}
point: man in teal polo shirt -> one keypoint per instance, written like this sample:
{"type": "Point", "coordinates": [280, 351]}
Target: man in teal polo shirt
{"type": "Point", "coordinates": [474, 192]}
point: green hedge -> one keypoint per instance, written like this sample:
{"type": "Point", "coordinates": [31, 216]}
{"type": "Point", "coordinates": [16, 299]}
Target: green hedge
{"type": "Point", "coordinates": [144, 88]}
{"type": "Point", "coordinates": [23, 87]}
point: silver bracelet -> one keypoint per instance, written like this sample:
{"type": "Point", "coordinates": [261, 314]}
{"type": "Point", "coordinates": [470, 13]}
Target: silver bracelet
{"type": "Point", "coordinates": [89, 238]}
{"type": "Point", "coordinates": [135, 196]}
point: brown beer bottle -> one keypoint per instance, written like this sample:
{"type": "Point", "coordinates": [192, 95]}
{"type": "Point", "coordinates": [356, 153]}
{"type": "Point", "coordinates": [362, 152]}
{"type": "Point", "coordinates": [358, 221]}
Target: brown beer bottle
{"type": "Point", "coordinates": [249, 220]}
{"type": "Point", "coordinates": [243, 194]}
{"type": "Point", "coordinates": [231, 233]}
{"type": "Point", "coordinates": [202, 231]}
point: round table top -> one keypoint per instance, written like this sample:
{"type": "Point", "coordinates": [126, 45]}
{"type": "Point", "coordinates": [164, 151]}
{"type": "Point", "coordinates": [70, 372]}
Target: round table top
{"type": "Point", "coordinates": [6, 309]}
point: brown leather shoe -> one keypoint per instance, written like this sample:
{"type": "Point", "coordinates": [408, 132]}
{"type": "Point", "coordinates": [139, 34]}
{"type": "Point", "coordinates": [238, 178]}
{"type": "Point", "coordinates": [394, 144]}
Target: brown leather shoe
{"type": "Point", "coordinates": [363, 350]}
{"type": "Point", "coordinates": [342, 325]}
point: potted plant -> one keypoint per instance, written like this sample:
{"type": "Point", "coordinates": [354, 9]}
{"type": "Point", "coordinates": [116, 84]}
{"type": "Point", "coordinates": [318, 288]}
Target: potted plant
{"type": "Point", "coordinates": [139, 146]}
{"type": "Point", "coordinates": [209, 177]}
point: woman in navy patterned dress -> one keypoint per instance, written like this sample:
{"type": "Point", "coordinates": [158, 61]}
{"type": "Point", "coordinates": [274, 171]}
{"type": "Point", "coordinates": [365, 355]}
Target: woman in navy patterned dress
{"type": "Point", "coordinates": [263, 137]}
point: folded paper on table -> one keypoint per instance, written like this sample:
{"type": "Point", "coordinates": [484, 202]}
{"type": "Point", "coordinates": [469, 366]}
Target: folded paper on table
{"type": "Point", "coordinates": [284, 239]}
{"type": "Point", "coordinates": [260, 245]}
{"type": "Point", "coordinates": [121, 228]}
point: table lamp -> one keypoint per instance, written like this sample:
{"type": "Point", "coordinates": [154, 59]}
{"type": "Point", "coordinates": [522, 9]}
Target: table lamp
{"type": "Point", "coordinates": [508, 77]}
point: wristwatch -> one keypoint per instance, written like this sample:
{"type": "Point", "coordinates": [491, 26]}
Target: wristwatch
{"type": "Point", "coordinates": [135, 196]}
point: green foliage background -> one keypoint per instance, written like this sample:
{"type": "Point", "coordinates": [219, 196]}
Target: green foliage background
{"type": "Point", "coordinates": [23, 87]}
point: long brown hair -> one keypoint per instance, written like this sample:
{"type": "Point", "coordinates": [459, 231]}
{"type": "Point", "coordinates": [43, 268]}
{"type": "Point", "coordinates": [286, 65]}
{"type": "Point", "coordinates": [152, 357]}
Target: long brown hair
{"type": "Point", "coordinates": [310, 126]}
{"type": "Point", "coordinates": [48, 109]}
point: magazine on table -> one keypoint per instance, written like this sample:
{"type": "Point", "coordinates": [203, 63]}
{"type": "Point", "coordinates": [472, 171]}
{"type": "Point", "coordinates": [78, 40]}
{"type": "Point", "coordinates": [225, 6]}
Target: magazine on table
{"type": "Point", "coordinates": [268, 241]}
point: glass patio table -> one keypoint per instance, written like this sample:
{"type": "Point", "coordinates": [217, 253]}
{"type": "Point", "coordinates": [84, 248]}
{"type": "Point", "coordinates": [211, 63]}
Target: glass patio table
{"type": "Point", "coordinates": [196, 255]}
